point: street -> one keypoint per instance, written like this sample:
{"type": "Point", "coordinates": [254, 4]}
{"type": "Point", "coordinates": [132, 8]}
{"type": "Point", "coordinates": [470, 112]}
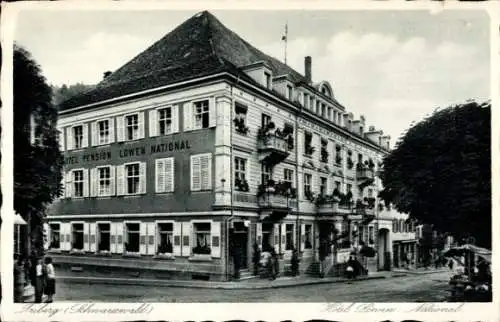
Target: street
{"type": "Point", "coordinates": [411, 288]}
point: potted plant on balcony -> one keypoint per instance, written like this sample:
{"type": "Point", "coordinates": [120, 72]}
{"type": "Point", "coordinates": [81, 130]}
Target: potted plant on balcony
{"type": "Point", "coordinates": [324, 155]}
{"type": "Point", "coordinates": [241, 185]}
{"type": "Point", "coordinates": [309, 150]}
{"type": "Point", "coordinates": [370, 164]}
{"type": "Point", "coordinates": [263, 134]}
{"type": "Point", "coordinates": [240, 126]}
{"type": "Point", "coordinates": [370, 202]}
{"type": "Point", "coordinates": [310, 195]}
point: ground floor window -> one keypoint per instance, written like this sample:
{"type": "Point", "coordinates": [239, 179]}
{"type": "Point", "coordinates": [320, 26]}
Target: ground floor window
{"type": "Point", "coordinates": [103, 231]}
{"type": "Point", "coordinates": [267, 237]}
{"type": "Point", "coordinates": [289, 237]}
{"type": "Point", "coordinates": [132, 237]}
{"type": "Point", "coordinates": [202, 238]}
{"type": "Point", "coordinates": [308, 236]}
{"type": "Point", "coordinates": [77, 240]}
{"type": "Point", "coordinates": [55, 236]}
{"type": "Point", "coordinates": [165, 232]}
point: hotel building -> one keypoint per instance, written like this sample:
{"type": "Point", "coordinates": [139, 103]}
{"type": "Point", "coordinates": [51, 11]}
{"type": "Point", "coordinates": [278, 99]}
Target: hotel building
{"type": "Point", "coordinates": [202, 147]}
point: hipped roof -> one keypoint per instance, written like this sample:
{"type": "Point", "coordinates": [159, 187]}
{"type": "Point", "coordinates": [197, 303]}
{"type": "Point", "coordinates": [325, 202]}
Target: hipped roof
{"type": "Point", "coordinates": [200, 46]}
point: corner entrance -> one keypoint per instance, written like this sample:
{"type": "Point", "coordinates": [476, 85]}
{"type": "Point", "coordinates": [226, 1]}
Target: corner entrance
{"type": "Point", "coordinates": [240, 242]}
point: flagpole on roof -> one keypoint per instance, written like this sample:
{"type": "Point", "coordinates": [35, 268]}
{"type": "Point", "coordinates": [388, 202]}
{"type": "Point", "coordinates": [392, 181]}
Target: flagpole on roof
{"type": "Point", "coordinates": [285, 39]}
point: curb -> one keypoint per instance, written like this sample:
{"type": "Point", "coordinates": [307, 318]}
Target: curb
{"type": "Point", "coordinates": [232, 286]}
{"type": "Point", "coordinates": [421, 273]}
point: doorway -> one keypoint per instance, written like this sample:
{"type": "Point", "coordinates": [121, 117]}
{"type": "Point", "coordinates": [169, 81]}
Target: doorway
{"type": "Point", "coordinates": [267, 237]}
{"type": "Point", "coordinates": [240, 239]}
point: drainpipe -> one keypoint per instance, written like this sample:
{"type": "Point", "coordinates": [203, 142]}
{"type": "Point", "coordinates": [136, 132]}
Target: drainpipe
{"type": "Point", "coordinates": [299, 236]}
{"type": "Point", "coordinates": [228, 220]}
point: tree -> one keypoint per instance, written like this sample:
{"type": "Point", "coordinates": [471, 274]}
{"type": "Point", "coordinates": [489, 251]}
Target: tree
{"type": "Point", "coordinates": [65, 92]}
{"type": "Point", "coordinates": [440, 172]}
{"type": "Point", "coordinates": [37, 159]}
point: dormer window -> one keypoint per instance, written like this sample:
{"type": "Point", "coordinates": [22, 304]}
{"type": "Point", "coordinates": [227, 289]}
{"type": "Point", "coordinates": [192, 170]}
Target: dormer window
{"type": "Point", "coordinates": [267, 78]}
{"type": "Point", "coordinates": [289, 92]}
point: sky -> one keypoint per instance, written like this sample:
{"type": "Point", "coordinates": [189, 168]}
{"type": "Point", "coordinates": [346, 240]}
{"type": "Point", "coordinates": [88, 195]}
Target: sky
{"type": "Point", "coordinates": [393, 67]}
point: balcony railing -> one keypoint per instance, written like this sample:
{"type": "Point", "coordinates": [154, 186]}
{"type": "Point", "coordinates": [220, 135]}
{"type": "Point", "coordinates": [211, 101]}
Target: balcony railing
{"type": "Point", "coordinates": [364, 174]}
{"type": "Point", "coordinates": [276, 201]}
{"type": "Point", "coordinates": [273, 149]}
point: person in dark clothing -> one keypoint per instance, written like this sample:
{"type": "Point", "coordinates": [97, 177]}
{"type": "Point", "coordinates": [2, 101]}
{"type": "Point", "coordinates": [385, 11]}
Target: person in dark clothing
{"type": "Point", "coordinates": [274, 269]}
{"type": "Point", "coordinates": [350, 268]}
{"type": "Point", "coordinates": [19, 279]}
{"type": "Point", "coordinates": [295, 262]}
{"type": "Point", "coordinates": [39, 281]}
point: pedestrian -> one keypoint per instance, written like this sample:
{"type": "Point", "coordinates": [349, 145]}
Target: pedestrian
{"type": "Point", "coordinates": [295, 262]}
{"type": "Point", "coordinates": [408, 260]}
{"type": "Point", "coordinates": [350, 268]}
{"type": "Point", "coordinates": [50, 277]}
{"type": "Point", "coordinates": [450, 264]}
{"type": "Point", "coordinates": [272, 265]}
{"type": "Point", "coordinates": [39, 281]}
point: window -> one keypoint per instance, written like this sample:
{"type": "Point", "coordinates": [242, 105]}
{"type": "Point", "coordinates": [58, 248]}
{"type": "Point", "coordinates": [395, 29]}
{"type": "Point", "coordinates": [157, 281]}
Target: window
{"type": "Point", "coordinates": [132, 177]}
{"type": "Point", "coordinates": [308, 236]}
{"type": "Point", "coordinates": [166, 237]}
{"type": "Point", "coordinates": [132, 235]}
{"type": "Point", "coordinates": [337, 186]}
{"type": "Point", "coordinates": [329, 116]}
{"type": "Point", "coordinates": [201, 115]}
{"type": "Point", "coordinates": [202, 238]}
{"type": "Point", "coordinates": [311, 103]}
{"type": "Point", "coordinates": [371, 234]}
{"type": "Point", "coordinates": [103, 237]}
{"type": "Point", "coordinates": [104, 178]}
{"type": "Point", "coordinates": [55, 236]}
{"type": "Point", "coordinates": [349, 187]}
{"type": "Point", "coordinates": [323, 110]}
{"type": "Point", "coordinates": [307, 183]}
{"type": "Point", "coordinates": [360, 158]}
{"type": "Point", "coordinates": [361, 130]}
{"type": "Point", "coordinates": [306, 100]}
{"type": "Point", "coordinates": [324, 150]}
{"type": "Point", "coordinates": [334, 116]}
{"type": "Point", "coordinates": [265, 120]}
{"type": "Point", "coordinates": [267, 78]}
{"type": "Point", "coordinates": [103, 132]}
{"type": "Point", "coordinates": [267, 237]}
{"type": "Point", "coordinates": [318, 107]}
{"type": "Point", "coordinates": [370, 193]}
{"type": "Point", "coordinates": [77, 237]}
{"type": "Point", "coordinates": [322, 187]}
{"type": "Point", "coordinates": [78, 137]}
{"type": "Point", "coordinates": [165, 170]}
{"type": "Point", "coordinates": [289, 236]}
{"type": "Point", "coordinates": [288, 176]}
{"type": "Point", "coordinates": [240, 166]}
{"type": "Point", "coordinates": [165, 120]}
{"type": "Point", "coordinates": [266, 173]}
{"type": "Point", "coordinates": [132, 127]}
{"type": "Point", "coordinates": [201, 172]}
{"type": "Point", "coordinates": [394, 226]}
{"type": "Point", "coordinates": [307, 143]}
{"type": "Point", "coordinates": [240, 119]}
{"type": "Point", "coordinates": [78, 183]}
{"type": "Point", "coordinates": [289, 92]}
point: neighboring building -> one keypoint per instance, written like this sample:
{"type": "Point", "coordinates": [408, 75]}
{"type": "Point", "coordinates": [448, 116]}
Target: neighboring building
{"type": "Point", "coordinates": [202, 146]}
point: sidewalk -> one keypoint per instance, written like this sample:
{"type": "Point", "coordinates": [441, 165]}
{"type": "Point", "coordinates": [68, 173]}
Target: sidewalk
{"type": "Point", "coordinates": [421, 270]}
{"type": "Point", "coordinates": [255, 283]}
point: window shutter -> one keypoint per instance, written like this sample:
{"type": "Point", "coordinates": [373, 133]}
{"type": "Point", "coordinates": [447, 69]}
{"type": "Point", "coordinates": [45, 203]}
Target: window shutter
{"type": "Point", "coordinates": [215, 234]}
{"type": "Point", "coordinates": [94, 134]}
{"type": "Point", "coordinates": [61, 139]}
{"type": "Point", "coordinates": [142, 177]}
{"type": "Point", "coordinates": [113, 239]}
{"type": "Point", "coordinates": [62, 236]}
{"type": "Point", "coordinates": [142, 124]}
{"type": "Point", "coordinates": [111, 130]}
{"type": "Point", "coordinates": [85, 141]}
{"type": "Point", "coordinates": [177, 238]}
{"type": "Point", "coordinates": [300, 186]}
{"type": "Point", "coordinates": [195, 173]}
{"type": "Point", "coordinates": [212, 115]}
{"type": "Point", "coordinates": [143, 238]}
{"type": "Point", "coordinates": [94, 182]}
{"type": "Point", "coordinates": [188, 117]}
{"type": "Point", "coordinates": [283, 238]}
{"type": "Point", "coordinates": [302, 237]}
{"type": "Point", "coordinates": [169, 174]}
{"type": "Point", "coordinates": [160, 175]}
{"type": "Point", "coordinates": [86, 237]}
{"type": "Point", "coordinates": [259, 234]}
{"type": "Point", "coordinates": [153, 123]}
{"type": "Point", "coordinates": [175, 118]}
{"type": "Point", "coordinates": [120, 129]}
{"type": "Point", "coordinates": [206, 172]}
{"type": "Point", "coordinates": [69, 137]}
{"type": "Point", "coordinates": [276, 236]}
{"type": "Point", "coordinates": [120, 180]}
{"type": "Point", "coordinates": [86, 182]}
{"type": "Point", "coordinates": [63, 185]}
{"type": "Point", "coordinates": [112, 180]}
{"type": "Point", "coordinates": [93, 237]}
{"type": "Point", "coordinates": [119, 237]}
{"type": "Point", "coordinates": [186, 239]}
{"type": "Point", "coordinates": [69, 184]}
{"type": "Point", "coordinates": [151, 238]}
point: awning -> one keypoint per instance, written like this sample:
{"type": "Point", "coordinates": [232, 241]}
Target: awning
{"type": "Point", "coordinates": [460, 250]}
{"type": "Point", "coordinates": [18, 220]}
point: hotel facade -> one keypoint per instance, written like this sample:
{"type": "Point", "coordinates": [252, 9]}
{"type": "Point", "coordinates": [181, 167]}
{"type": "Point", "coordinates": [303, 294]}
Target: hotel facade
{"type": "Point", "coordinates": [202, 148]}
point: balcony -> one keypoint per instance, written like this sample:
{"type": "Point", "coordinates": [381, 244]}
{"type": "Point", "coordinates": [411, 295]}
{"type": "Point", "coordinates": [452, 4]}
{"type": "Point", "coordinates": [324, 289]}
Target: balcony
{"type": "Point", "coordinates": [273, 147]}
{"type": "Point", "coordinates": [366, 209]}
{"type": "Point", "coordinates": [364, 174]}
{"type": "Point", "coordinates": [275, 200]}
{"type": "Point", "coordinates": [333, 205]}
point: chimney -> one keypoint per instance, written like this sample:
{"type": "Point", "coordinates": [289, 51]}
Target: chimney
{"type": "Point", "coordinates": [307, 68]}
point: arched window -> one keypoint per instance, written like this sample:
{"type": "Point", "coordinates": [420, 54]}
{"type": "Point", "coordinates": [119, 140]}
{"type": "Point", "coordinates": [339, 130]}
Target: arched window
{"type": "Point", "coordinates": [394, 226]}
